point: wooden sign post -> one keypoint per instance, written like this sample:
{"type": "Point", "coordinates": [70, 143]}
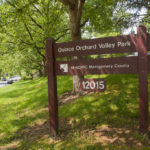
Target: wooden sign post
{"type": "Point", "coordinates": [142, 47]}
{"type": "Point", "coordinates": [52, 87]}
{"type": "Point", "coordinates": [117, 65]}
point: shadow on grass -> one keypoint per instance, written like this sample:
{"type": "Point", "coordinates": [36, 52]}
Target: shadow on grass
{"type": "Point", "coordinates": [106, 120]}
{"type": "Point", "coordinates": [118, 100]}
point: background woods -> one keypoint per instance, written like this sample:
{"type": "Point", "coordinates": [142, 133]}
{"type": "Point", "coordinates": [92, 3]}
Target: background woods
{"type": "Point", "coordinates": [25, 26]}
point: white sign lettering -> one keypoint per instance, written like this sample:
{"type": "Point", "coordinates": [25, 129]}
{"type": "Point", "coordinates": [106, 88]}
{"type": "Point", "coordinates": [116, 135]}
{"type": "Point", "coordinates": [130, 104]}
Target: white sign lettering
{"type": "Point", "coordinates": [124, 44]}
{"type": "Point", "coordinates": [106, 45]}
{"type": "Point", "coordinates": [86, 85]}
{"type": "Point", "coordinates": [61, 50]}
{"type": "Point", "coordinates": [98, 66]}
{"type": "Point", "coordinates": [86, 47]}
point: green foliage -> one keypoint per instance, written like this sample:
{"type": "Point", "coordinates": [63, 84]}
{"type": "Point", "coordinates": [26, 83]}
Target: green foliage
{"type": "Point", "coordinates": [146, 20]}
{"type": "Point", "coordinates": [25, 26]}
{"type": "Point", "coordinates": [100, 15]}
{"type": "Point", "coordinates": [132, 13]}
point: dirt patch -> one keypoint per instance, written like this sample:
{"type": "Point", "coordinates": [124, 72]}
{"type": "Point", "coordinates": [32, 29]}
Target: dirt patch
{"type": "Point", "coordinates": [69, 97]}
{"type": "Point", "coordinates": [10, 146]}
{"type": "Point", "coordinates": [102, 134]}
{"type": "Point", "coordinates": [117, 136]}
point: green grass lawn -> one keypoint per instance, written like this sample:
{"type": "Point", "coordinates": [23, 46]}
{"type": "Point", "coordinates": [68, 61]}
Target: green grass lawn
{"type": "Point", "coordinates": [107, 120]}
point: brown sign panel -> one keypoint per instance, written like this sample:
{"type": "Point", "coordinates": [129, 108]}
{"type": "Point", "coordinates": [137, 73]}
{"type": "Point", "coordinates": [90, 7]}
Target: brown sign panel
{"type": "Point", "coordinates": [119, 65]}
{"type": "Point", "coordinates": [108, 45]}
{"type": "Point", "coordinates": [95, 85]}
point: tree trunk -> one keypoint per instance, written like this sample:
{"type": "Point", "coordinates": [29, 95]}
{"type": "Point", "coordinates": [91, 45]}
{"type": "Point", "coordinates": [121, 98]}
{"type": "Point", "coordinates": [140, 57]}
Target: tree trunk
{"type": "Point", "coordinates": [75, 12]}
{"type": "Point", "coordinates": [75, 18]}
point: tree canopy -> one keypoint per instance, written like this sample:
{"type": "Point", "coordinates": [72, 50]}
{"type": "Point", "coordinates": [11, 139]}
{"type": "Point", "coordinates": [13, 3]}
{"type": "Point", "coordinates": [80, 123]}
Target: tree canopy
{"type": "Point", "coordinates": [25, 26]}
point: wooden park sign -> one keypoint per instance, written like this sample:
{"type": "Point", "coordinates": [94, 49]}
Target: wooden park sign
{"type": "Point", "coordinates": [140, 65]}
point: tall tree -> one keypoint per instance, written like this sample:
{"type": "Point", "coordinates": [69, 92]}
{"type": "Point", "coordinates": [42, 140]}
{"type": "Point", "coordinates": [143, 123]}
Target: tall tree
{"type": "Point", "coordinates": [75, 8]}
{"type": "Point", "coordinates": [96, 15]}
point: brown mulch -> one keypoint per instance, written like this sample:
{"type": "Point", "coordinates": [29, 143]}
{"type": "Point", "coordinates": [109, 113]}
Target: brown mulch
{"type": "Point", "coordinates": [69, 97]}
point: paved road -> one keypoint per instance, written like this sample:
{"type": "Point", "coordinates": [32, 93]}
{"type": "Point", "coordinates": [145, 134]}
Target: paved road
{"type": "Point", "coordinates": [3, 83]}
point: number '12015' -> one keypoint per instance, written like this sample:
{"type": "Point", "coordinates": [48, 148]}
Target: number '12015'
{"type": "Point", "coordinates": [93, 85]}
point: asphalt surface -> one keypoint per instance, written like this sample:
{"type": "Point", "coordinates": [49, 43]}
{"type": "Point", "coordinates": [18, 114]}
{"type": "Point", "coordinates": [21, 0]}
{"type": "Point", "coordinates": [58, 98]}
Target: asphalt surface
{"type": "Point", "coordinates": [3, 83]}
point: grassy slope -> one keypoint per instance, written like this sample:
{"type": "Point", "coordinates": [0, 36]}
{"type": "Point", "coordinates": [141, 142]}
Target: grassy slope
{"type": "Point", "coordinates": [106, 120]}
